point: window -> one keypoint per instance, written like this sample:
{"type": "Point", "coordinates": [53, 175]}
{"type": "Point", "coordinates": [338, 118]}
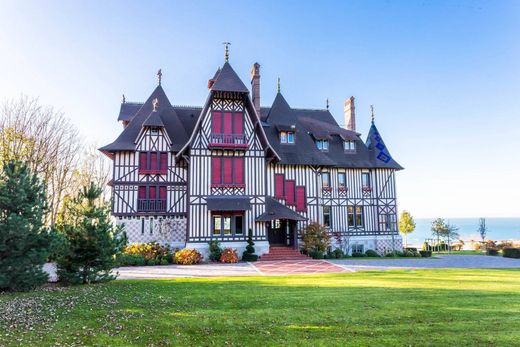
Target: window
{"type": "Point", "coordinates": [153, 163]}
{"type": "Point", "coordinates": [342, 180]}
{"type": "Point", "coordinates": [357, 248]}
{"type": "Point", "coordinates": [279, 186]}
{"type": "Point", "coordinates": [389, 223]}
{"type": "Point", "coordinates": [227, 224]}
{"type": "Point", "coordinates": [323, 145]}
{"type": "Point", "coordinates": [151, 199]}
{"type": "Point", "coordinates": [327, 216]}
{"type": "Point", "coordinates": [300, 199]}
{"type": "Point", "coordinates": [290, 197]}
{"type": "Point", "coordinates": [350, 146]}
{"type": "Point", "coordinates": [227, 129]}
{"type": "Point", "coordinates": [365, 179]}
{"type": "Point", "coordinates": [287, 137]}
{"type": "Point", "coordinates": [227, 171]}
{"type": "Point", "coordinates": [355, 217]}
{"type": "Point", "coordinates": [325, 180]}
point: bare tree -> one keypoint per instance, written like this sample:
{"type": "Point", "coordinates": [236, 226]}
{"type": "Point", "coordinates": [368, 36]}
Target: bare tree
{"type": "Point", "coordinates": [46, 140]}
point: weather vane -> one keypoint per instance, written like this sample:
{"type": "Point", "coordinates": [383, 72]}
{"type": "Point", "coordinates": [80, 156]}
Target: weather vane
{"type": "Point", "coordinates": [327, 103]}
{"type": "Point", "coordinates": [124, 99]}
{"type": "Point", "coordinates": [278, 88]}
{"type": "Point", "coordinates": [372, 111]}
{"type": "Point", "coordinates": [226, 47]}
{"type": "Point", "coordinates": [159, 76]}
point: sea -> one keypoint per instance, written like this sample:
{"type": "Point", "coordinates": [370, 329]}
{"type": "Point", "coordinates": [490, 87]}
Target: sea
{"type": "Point", "coordinates": [498, 229]}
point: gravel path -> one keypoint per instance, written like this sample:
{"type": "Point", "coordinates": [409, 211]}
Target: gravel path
{"type": "Point", "coordinates": [441, 261]}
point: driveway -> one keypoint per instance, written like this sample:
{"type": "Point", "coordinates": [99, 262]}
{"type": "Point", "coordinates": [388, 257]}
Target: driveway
{"type": "Point", "coordinates": [309, 266]}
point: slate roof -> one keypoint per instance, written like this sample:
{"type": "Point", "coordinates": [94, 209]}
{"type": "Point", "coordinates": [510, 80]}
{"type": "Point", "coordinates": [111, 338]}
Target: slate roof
{"type": "Point", "coordinates": [275, 210]}
{"type": "Point", "coordinates": [165, 114]}
{"type": "Point", "coordinates": [227, 80]}
{"type": "Point", "coordinates": [308, 125]}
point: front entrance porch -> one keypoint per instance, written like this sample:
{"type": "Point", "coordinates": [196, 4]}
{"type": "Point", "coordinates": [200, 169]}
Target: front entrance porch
{"type": "Point", "coordinates": [282, 232]}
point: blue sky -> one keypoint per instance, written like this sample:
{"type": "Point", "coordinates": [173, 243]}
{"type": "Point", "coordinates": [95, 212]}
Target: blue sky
{"type": "Point", "coordinates": [443, 75]}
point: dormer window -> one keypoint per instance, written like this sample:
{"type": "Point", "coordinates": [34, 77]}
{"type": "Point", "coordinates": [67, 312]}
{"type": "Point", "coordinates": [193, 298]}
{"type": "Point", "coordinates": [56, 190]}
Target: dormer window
{"type": "Point", "coordinates": [287, 137]}
{"type": "Point", "coordinates": [350, 146]}
{"type": "Point", "coordinates": [323, 145]}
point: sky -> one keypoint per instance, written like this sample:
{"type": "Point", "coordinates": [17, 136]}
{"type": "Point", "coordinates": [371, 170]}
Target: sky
{"type": "Point", "coordinates": [443, 76]}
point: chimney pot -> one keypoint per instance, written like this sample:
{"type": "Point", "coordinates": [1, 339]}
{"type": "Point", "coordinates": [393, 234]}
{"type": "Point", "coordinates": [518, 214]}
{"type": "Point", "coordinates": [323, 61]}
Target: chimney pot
{"type": "Point", "coordinates": [349, 112]}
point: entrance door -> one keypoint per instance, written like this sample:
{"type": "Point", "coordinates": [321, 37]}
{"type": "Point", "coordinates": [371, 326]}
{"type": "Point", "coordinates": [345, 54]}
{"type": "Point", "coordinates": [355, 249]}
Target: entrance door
{"type": "Point", "coordinates": [277, 233]}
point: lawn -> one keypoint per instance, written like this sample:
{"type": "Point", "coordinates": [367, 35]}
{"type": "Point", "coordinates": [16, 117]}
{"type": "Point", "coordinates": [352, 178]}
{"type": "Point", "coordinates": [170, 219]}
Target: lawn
{"type": "Point", "coordinates": [390, 308]}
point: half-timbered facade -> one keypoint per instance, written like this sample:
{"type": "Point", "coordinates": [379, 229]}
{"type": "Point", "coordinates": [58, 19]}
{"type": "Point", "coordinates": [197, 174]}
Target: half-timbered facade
{"type": "Point", "coordinates": [187, 175]}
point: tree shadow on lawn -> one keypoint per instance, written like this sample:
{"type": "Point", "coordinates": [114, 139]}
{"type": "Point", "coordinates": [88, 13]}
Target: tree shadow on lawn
{"type": "Point", "coordinates": [369, 308]}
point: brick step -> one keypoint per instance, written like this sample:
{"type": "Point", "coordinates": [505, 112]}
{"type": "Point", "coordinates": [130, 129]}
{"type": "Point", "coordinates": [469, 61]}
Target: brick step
{"type": "Point", "coordinates": [282, 253]}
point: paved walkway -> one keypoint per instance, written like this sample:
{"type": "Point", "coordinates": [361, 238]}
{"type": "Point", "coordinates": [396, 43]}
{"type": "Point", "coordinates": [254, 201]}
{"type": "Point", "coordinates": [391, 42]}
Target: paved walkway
{"type": "Point", "coordinates": [309, 266]}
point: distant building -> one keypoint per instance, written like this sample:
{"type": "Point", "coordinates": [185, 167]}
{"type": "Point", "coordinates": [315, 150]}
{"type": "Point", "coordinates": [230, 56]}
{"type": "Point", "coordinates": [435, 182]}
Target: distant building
{"type": "Point", "coordinates": [187, 175]}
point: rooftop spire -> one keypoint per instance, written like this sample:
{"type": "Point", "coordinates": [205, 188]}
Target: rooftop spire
{"type": "Point", "coordinates": [372, 112]}
{"type": "Point", "coordinates": [124, 99]}
{"type": "Point", "coordinates": [278, 87]}
{"type": "Point", "coordinates": [327, 103]}
{"type": "Point", "coordinates": [159, 76]}
{"type": "Point", "coordinates": [226, 49]}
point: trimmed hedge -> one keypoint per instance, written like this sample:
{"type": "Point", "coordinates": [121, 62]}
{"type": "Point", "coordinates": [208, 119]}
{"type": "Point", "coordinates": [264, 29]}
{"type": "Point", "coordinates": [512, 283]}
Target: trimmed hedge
{"type": "Point", "coordinates": [358, 255]}
{"type": "Point", "coordinates": [371, 253]}
{"type": "Point", "coordinates": [425, 254]}
{"type": "Point", "coordinates": [492, 251]}
{"type": "Point", "coordinates": [511, 252]}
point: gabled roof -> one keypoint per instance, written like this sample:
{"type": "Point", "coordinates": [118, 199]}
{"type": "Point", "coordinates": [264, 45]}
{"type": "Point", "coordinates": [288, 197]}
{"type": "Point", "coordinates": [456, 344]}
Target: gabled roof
{"type": "Point", "coordinates": [379, 152]}
{"type": "Point", "coordinates": [165, 114]}
{"type": "Point", "coordinates": [275, 210]}
{"type": "Point", "coordinates": [227, 80]}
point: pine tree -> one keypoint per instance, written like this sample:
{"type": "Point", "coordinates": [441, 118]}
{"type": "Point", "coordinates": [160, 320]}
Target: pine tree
{"type": "Point", "coordinates": [24, 241]}
{"type": "Point", "coordinates": [92, 241]}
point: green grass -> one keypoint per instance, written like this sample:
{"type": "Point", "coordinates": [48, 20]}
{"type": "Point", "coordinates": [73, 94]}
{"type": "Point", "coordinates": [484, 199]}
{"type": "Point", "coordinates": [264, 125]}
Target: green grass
{"type": "Point", "coordinates": [463, 252]}
{"type": "Point", "coordinates": [386, 308]}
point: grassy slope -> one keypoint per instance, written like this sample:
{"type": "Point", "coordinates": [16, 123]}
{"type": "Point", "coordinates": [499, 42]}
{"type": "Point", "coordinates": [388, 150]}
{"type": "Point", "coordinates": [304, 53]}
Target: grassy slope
{"type": "Point", "coordinates": [401, 308]}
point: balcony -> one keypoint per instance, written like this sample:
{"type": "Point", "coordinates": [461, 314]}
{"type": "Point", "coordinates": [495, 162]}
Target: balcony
{"type": "Point", "coordinates": [151, 205]}
{"type": "Point", "coordinates": [366, 189]}
{"type": "Point", "coordinates": [234, 141]}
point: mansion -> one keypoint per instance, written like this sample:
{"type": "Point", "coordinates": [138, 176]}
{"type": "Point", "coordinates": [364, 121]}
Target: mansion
{"type": "Point", "coordinates": [184, 176]}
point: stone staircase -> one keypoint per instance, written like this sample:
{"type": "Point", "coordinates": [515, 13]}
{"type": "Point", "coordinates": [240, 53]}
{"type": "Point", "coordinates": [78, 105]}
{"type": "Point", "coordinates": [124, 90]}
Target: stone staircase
{"type": "Point", "coordinates": [277, 253]}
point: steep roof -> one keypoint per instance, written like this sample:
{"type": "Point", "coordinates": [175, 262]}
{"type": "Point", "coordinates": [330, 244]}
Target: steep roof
{"type": "Point", "coordinates": [128, 110]}
{"type": "Point", "coordinates": [145, 116]}
{"type": "Point", "coordinates": [379, 152]}
{"type": "Point", "coordinates": [227, 80]}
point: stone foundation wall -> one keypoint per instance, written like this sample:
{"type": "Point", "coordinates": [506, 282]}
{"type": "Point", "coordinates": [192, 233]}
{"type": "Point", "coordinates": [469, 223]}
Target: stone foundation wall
{"type": "Point", "coordinates": [170, 231]}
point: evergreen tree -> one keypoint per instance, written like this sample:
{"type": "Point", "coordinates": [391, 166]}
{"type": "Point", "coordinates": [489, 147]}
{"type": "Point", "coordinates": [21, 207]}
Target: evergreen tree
{"type": "Point", "coordinates": [249, 253]}
{"type": "Point", "coordinates": [24, 241]}
{"type": "Point", "coordinates": [92, 242]}
{"type": "Point", "coordinates": [406, 225]}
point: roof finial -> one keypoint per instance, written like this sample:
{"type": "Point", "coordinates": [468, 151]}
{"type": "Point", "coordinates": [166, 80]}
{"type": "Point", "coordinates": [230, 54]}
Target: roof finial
{"type": "Point", "coordinates": [124, 99]}
{"type": "Point", "coordinates": [278, 87]}
{"type": "Point", "coordinates": [327, 103]}
{"type": "Point", "coordinates": [226, 47]}
{"type": "Point", "coordinates": [155, 104]}
{"type": "Point", "coordinates": [159, 76]}
{"type": "Point", "coordinates": [372, 111]}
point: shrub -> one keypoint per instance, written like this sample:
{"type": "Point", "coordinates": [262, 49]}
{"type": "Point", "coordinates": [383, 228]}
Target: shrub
{"type": "Point", "coordinates": [249, 253]}
{"type": "Point", "coordinates": [511, 252]}
{"type": "Point", "coordinates": [164, 262]}
{"type": "Point", "coordinates": [411, 252]}
{"type": "Point", "coordinates": [411, 249]}
{"type": "Point", "coordinates": [188, 256]}
{"type": "Point", "coordinates": [338, 253]}
{"type": "Point", "coordinates": [425, 254]}
{"type": "Point", "coordinates": [229, 255]}
{"type": "Point", "coordinates": [371, 253]}
{"type": "Point", "coordinates": [492, 251]}
{"type": "Point", "coordinates": [396, 254]}
{"type": "Point", "coordinates": [504, 244]}
{"type": "Point", "coordinates": [214, 250]}
{"type": "Point", "coordinates": [358, 255]}
{"type": "Point", "coordinates": [315, 238]}
{"type": "Point", "coordinates": [149, 251]}
{"type": "Point", "coordinates": [317, 255]}
{"type": "Point", "coordinates": [131, 260]}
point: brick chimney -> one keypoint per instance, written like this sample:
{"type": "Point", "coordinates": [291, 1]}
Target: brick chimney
{"type": "Point", "coordinates": [255, 87]}
{"type": "Point", "coordinates": [349, 112]}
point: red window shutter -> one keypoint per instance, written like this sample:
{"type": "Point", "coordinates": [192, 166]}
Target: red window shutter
{"type": "Point", "coordinates": [142, 162]}
{"type": "Point", "coordinates": [216, 124]}
{"type": "Point", "coordinates": [279, 181]}
{"type": "Point", "coordinates": [153, 162]}
{"type": "Point", "coordinates": [239, 170]}
{"type": "Point", "coordinates": [142, 192]}
{"type": "Point", "coordinates": [300, 198]}
{"type": "Point", "coordinates": [289, 192]}
{"type": "Point", "coordinates": [228, 123]}
{"type": "Point", "coordinates": [228, 170]}
{"type": "Point", "coordinates": [162, 192]}
{"type": "Point", "coordinates": [216, 170]}
{"type": "Point", "coordinates": [238, 123]}
{"type": "Point", "coordinates": [153, 192]}
{"type": "Point", "coordinates": [164, 163]}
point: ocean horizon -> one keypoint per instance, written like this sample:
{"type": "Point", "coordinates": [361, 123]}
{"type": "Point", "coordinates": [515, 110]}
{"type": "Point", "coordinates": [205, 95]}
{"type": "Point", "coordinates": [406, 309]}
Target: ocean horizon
{"type": "Point", "coordinates": [498, 229]}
